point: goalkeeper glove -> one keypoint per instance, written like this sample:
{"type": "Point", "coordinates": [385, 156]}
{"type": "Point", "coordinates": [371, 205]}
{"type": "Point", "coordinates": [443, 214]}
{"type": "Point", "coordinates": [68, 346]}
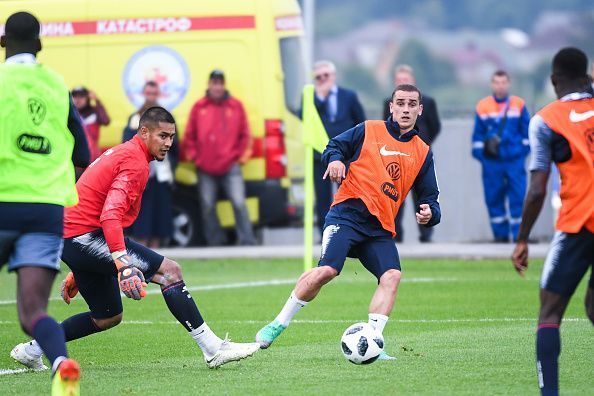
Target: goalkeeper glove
{"type": "Point", "coordinates": [130, 278]}
{"type": "Point", "coordinates": [68, 289]}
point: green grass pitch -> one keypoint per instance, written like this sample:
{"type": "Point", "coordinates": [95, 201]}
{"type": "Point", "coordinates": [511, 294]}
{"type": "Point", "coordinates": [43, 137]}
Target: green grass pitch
{"type": "Point", "coordinates": [459, 327]}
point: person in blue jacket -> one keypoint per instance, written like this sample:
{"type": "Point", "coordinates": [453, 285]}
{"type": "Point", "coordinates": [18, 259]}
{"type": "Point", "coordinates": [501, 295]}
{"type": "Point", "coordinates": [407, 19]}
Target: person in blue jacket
{"type": "Point", "coordinates": [500, 143]}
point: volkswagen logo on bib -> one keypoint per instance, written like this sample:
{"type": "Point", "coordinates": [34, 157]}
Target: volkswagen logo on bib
{"type": "Point", "coordinates": [162, 65]}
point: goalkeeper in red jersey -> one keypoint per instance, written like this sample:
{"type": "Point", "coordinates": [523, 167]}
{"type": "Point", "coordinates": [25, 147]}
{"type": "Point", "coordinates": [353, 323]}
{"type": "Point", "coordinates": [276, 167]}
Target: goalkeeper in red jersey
{"type": "Point", "coordinates": [104, 262]}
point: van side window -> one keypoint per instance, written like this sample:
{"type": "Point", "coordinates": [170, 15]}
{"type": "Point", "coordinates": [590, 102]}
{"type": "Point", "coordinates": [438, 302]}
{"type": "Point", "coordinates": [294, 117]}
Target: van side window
{"type": "Point", "coordinates": [294, 71]}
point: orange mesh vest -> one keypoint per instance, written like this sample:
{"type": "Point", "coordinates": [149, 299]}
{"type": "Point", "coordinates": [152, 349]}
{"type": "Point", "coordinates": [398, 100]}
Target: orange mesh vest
{"type": "Point", "coordinates": [384, 173]}
{"type": "Point", "coordinates": [574, 120]}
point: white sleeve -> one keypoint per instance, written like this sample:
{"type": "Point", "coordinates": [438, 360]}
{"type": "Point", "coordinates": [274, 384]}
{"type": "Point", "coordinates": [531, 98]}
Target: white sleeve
{"type": "Point", "coordinates": [540, 136]}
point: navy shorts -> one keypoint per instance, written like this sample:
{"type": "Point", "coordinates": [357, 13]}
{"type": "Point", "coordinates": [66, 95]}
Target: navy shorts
{"type": "Point", "coordinates": [91, 263]}
{"type": "Point", "coordinates": [32, 249]}
{"type": "Point", "coordinates": [568, 261]}
{"type": "Point", "coordinates": [377, 254]}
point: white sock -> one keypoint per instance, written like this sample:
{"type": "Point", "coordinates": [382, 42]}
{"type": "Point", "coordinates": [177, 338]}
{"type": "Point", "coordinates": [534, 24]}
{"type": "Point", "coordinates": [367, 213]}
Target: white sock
{"type": "Point", "coordinates": [378, 321]}
{"type": "Point", "coordinates": [207, 340]}
{"type": "Point", "coordinates": [292, 306]}
{"type": "Point", "coordinates": [33, 349]}
{"type": "Point", "coordinates": [57, 363]}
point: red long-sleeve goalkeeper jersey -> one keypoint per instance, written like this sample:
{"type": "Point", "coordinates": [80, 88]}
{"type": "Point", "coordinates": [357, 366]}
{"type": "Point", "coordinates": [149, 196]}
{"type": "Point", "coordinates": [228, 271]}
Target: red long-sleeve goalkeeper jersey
{"type": "Point", "coordinates": [109, 193]}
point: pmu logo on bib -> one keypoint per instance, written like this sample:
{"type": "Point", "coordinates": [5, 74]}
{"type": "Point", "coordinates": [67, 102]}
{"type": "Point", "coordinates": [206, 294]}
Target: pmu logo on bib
{"type": "Point", "coordinates": [162, 65]}
{"type": "Point", "coordinates": [390, 190]}
{"type": "Point", "coordinates": [34, 144]}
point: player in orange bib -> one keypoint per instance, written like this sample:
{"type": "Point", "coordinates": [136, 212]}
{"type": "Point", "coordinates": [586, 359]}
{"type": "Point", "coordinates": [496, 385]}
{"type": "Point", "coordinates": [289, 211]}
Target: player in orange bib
{"type": "Point", "coordinates": [385, 160]}
{"type": "Point", "coordinates": [562, 132]}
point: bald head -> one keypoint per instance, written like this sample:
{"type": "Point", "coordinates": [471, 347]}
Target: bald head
{"type": "Point", "coordinates": [21, 34]}
{"type": "Point", "coordinates": [570, 71]}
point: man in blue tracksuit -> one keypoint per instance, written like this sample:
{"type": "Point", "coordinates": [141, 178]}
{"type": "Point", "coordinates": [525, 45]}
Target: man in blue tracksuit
{"type": "Point", "coordinates": [500, 143]}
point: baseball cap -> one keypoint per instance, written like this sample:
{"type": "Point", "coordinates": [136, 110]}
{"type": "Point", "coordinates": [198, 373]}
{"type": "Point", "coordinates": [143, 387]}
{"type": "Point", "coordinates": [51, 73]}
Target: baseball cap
{"type": "Point", "coordinates": [79, 91]}
{"type": "Point", "coordinates": [217, 74]}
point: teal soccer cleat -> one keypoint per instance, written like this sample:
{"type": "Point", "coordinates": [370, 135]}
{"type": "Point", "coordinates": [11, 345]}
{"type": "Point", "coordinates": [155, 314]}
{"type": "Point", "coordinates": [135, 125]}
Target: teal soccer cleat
{"type": "Point", "coordinates": [269, 333]}
{"type": "Point", "coordinates": [385, 356]}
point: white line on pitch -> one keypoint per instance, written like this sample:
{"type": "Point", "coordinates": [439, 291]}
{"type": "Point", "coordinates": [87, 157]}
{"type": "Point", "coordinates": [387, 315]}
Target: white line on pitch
{"type": "Point", "coordinates": [327, 321]}
{"type": "Point", "coordinates": [238, 285]}
{"type": "Point", "coordinates": [13, 371]}
{"type": "Point", "coordinates": [271, 282]}
{"type": "Point", "coordinates": [462, 320]}
{"type": "Point", "coordinates": [322, 321]}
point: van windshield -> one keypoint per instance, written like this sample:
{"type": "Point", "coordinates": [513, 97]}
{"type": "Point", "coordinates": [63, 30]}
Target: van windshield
{"type": "Point", "coordinates": [294, 71]}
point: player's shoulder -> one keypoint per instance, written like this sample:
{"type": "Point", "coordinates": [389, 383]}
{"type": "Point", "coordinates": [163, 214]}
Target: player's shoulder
{"type": "Point", "coordinates": [127, 155]}
{"type": "Point", "coordinates": [52, 74]}
{"type": "Point", "coordinates": [516, 101]}
{"type": "Point", "coordinates": [40, 70]}
{"type": "Point", "coordinates": [234, 102]}
{"type": "Point", "coordinates": [539, 132]}
{"type": "Point", "coordinates": [372, 123]}
{"type": "Point", "coordinates": [200, 103]}
{"type": "Point", "coordinates": [485, 101]}
{"type": "Point", "coordinates": [537, 121]}
{"type": "Point", "coordinates": [50, 71]}
{"type": "Point", "coordinates": [551, 110]}
{"type": "Point", "coordinates": [419, 149]}
{"type": "Point", "coordinates": [486, 105]}
{"type": "Point", "coordinates": [135, 149]}
{"type": "Point", "coordinates": [419, 142]}
{"type": "Point", "coordinates": [551, 106]}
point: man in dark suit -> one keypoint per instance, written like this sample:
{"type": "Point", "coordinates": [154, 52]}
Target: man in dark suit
{"type": "Point", "coordinates": [428, 125]}
{"type": "Point", "coordinates": [339, 109]}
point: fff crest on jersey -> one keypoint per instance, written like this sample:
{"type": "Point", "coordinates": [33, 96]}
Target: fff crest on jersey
{"type": "Point", "coordinates": [37, 110]}
{"type": "Point", "coordinates": [393, 170]}
{"type": "Point", "coordinates": [160, 64]}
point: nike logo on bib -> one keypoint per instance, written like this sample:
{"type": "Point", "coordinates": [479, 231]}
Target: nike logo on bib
{"type": "Point", "coordinates": [385, 152]}
{"type": "Point", "coordinates": [579, 117]}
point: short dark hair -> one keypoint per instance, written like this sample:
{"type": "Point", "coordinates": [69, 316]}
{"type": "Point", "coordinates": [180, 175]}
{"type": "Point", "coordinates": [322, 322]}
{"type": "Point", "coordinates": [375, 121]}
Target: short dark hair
{"type": "Point", "coordinates": [153, 116]}
{"type": "Point", "coordinates": [571, 63]}
{"type": "Point", "coordinates": [79, 91]}
{"type": "Point", "coordinates": [500, 73]}
{"type": "Point", "coordinates": [407, 88]}
{"type": "Point", "coordinates": [22, 27]}
{"type": "Point", "coordinates": [150, 83]}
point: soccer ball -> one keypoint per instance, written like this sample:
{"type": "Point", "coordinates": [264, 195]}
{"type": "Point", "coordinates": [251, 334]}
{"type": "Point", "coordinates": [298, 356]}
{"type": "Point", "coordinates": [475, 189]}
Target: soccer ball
{"type": "Point", "coordinates": [361, 343]}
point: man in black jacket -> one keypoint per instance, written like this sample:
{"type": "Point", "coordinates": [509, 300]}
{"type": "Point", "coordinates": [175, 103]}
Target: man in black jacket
{"type": "Point", "coordinates": [428, 125]}
{"type": "Point", "coordinates": [339, 110]}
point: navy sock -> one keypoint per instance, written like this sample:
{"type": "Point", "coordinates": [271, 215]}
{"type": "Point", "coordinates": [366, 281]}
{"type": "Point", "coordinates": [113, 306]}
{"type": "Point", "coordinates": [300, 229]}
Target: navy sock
{"type": "Point", "coordinates": [182, 306]}
{"type": "Point", "coordinates": [79, 326]}
{"type": "Point", "coordinates": [548, 348]}
{"type": "Point", "coordinates": [50, 337]}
